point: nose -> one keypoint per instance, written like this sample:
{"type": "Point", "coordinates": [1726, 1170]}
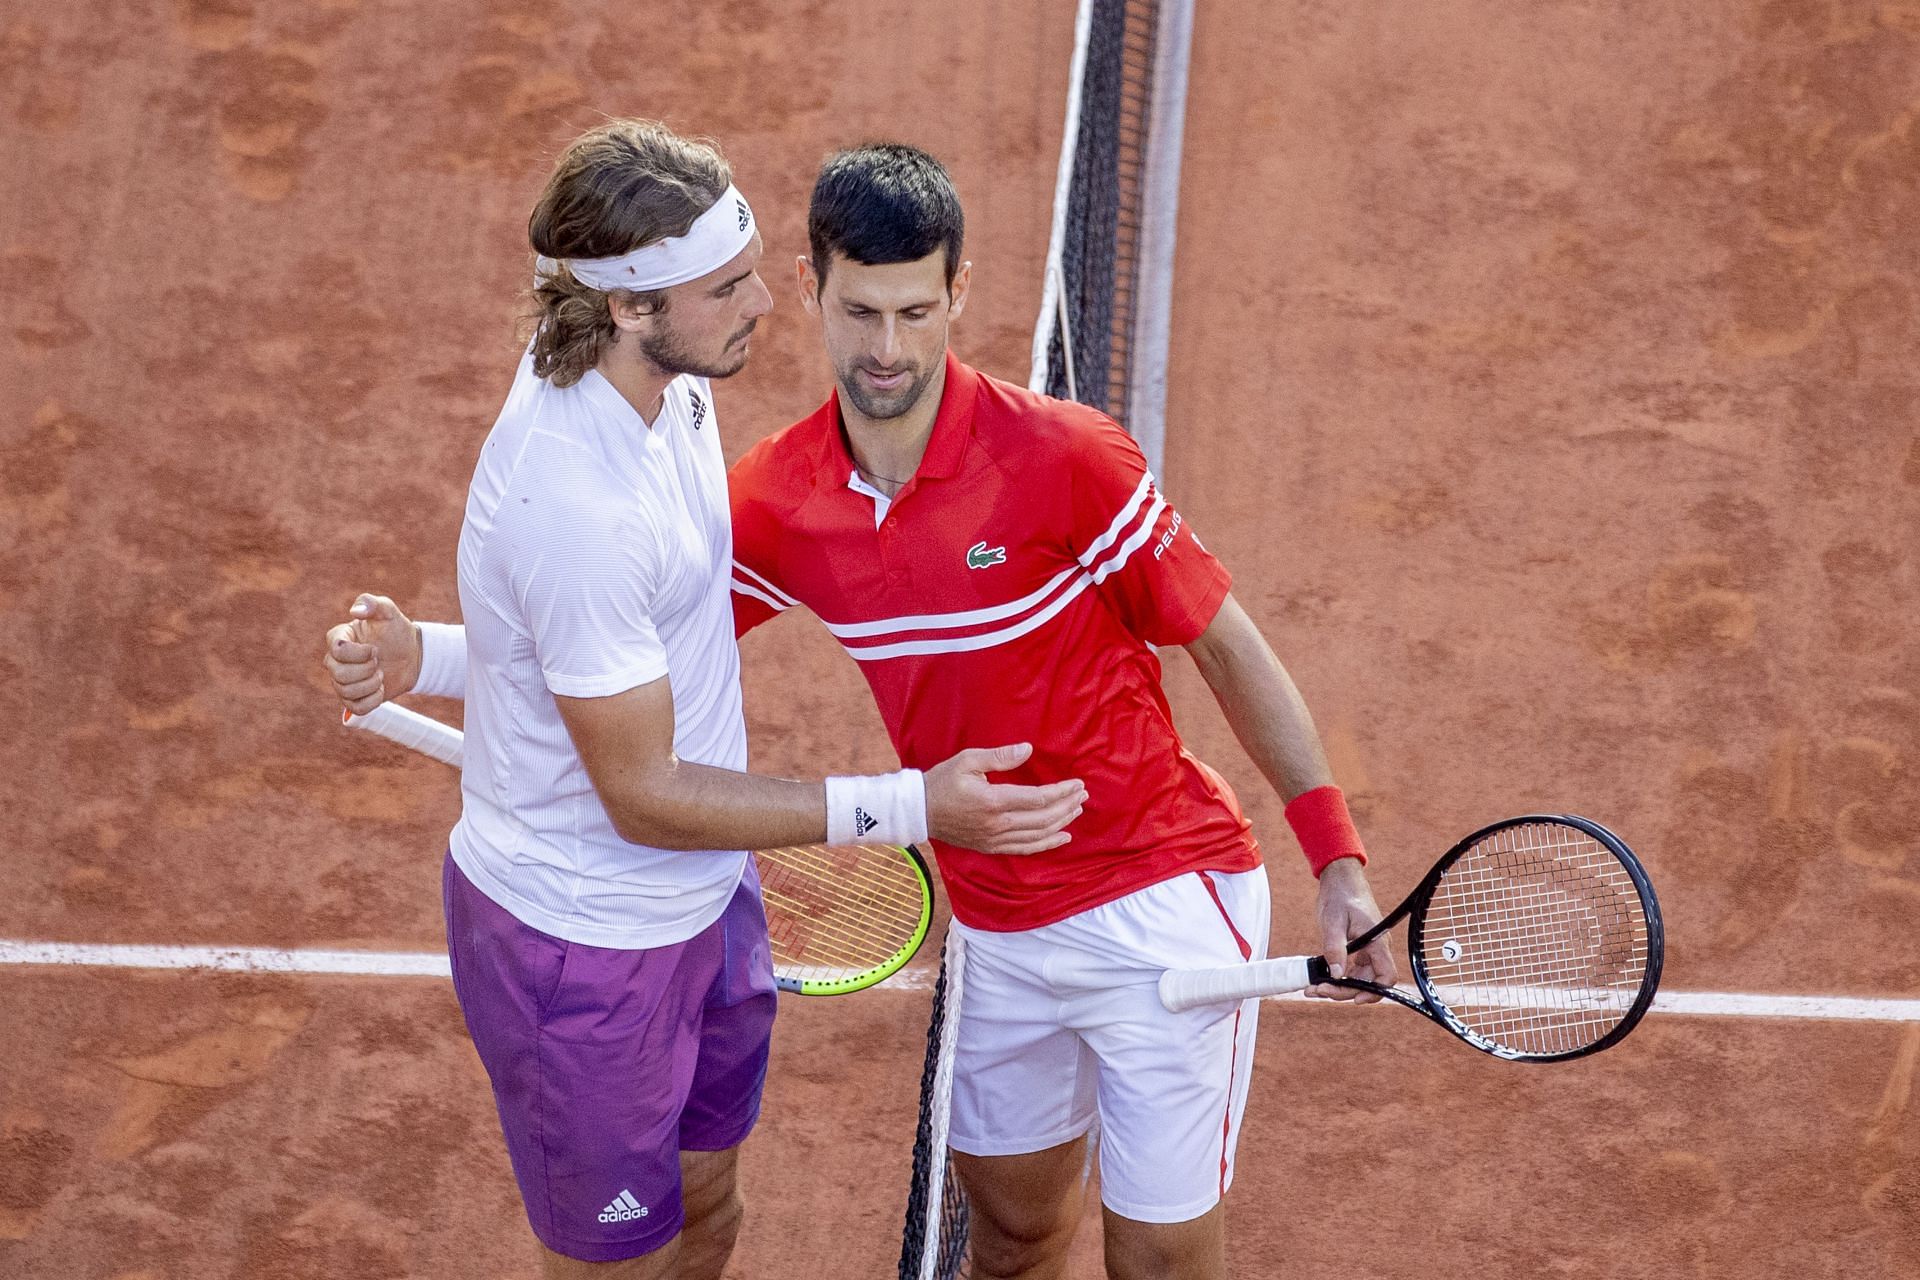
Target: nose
{"type": "Point", "coordinates": [759, 299]}
{"type": "Point", "coordinates": [887, 349]}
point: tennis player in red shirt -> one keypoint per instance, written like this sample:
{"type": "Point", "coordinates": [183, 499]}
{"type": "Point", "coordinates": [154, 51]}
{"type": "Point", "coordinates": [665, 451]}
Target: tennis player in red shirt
{"type": "Point", "coordinates": [1002, 565]}
{"type": "Point", "coordinates": [604, 924]}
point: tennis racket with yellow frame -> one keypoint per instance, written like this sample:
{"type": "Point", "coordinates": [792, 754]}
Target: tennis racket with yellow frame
{"type": "Point", "coordinates": [841, 918]}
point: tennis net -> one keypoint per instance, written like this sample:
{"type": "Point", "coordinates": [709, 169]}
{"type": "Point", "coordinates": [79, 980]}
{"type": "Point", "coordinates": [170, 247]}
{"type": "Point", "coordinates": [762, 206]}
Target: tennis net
{"type": "Point", "coordinates": [934, 1245]}
{"type": "Point", "coordinates": [1083, 344]}
{"type": "Point", "coordinates": [1100, 339]}
{"type": "Point", "coordinates": [1101, 335]}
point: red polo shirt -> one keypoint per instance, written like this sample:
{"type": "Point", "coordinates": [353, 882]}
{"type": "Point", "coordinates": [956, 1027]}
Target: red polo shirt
{"type": "Point", "coordinates": [1010, 594]}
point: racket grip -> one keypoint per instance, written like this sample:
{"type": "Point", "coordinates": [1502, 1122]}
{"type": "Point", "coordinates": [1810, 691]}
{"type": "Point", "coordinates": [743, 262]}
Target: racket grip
{"type": "Point", "coordinates": [411, 729]}
{"type": "Point", "coordinates": [1182, 989]}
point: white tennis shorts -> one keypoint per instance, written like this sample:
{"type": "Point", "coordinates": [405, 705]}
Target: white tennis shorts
{"type": "Point", "coordinates": [1064, 1022]}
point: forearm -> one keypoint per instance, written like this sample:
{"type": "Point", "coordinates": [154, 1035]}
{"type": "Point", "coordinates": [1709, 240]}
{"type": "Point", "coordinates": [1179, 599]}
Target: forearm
{"type": "Point", "coordinates": [1262, 706]}
{"type": "Point", "coordinates": [679, 805]}
{"type": "Point", "coordinates": [1270, 718]}
{"type": "Point", "coordinates": [655, 798]}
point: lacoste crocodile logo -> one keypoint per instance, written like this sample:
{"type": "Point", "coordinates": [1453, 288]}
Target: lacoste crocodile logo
{"type": "Point", "coordinates": [981, 556]}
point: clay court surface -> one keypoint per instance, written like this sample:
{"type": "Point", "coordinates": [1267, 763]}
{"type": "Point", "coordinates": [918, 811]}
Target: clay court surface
{"type": "Point", "coordinates": [1545, 374]}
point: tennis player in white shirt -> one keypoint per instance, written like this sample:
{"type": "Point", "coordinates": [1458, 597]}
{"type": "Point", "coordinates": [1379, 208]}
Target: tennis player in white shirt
{"type": "Point", "coordinates": [608, 946]}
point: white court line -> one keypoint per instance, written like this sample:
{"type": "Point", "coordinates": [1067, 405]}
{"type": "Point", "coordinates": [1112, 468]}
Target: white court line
{"type": "Point", "coordinates": [404, 964]}
{"type": "Point", "coordinates": [427, 964]}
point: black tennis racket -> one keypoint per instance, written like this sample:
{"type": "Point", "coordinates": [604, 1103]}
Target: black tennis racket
{"type": "Point", "coordinates": [1536, 939]}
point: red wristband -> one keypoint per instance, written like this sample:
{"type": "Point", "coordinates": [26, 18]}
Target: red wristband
{"type": "Point", "coordinates": [1324, 828]}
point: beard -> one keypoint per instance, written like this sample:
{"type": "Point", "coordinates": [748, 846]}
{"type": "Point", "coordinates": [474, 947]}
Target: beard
{"type": "Point", "coordinates": [670, 353]}
{"type": "Point", "coordinates": [881, 405]}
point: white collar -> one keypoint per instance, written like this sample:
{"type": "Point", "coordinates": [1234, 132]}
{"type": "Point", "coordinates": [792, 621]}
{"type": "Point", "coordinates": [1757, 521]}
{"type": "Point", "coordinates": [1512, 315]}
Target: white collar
{"type": "Point", "coordinates": [858, 483]}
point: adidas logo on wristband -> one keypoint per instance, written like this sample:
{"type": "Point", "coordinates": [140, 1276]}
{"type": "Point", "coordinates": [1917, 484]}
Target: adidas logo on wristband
{"type": "Point", "coordinates": [887, 806]}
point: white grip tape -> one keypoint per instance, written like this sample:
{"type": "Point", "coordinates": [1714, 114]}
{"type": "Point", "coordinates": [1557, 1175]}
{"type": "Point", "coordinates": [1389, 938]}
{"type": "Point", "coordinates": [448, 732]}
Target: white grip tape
{"type": "Point", "coordinates": [411, 729]}
{"type": "Point", "coordinates": [1182, 989]}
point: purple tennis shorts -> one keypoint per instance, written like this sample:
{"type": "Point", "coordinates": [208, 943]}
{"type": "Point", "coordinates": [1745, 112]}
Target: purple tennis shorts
{"type": "Point", "coordinates": [607, 1064]}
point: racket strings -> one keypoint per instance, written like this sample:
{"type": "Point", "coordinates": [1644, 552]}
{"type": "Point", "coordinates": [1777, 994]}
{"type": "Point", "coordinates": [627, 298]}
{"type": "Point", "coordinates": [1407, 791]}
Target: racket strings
{"type": "Point", "coordinates": [843, 906]}
{"type": "Point", "coordinates": [798, 947]}
{"type": "Point", "coordinates": [1536, 940]}
{"type": "Point", "coordinates": [1544, 991]}
{"type": "Point", "coordinates": [832, 912]}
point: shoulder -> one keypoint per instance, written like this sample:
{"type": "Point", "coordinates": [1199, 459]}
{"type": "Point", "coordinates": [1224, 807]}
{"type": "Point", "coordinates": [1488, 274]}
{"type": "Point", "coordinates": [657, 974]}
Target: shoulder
{"type": "Point", "coordinates": [780, 469]}
{"type": "Point", "coordinates": [537, 451]}
{"type": "Point", "coordinates": [559, 466]}
{"type": "Point", "coordinates": [1014, 424]}
{"type": "Point", "coordinates": [557, 527]}
{"type": "Point", "coordinates": [562, 494]}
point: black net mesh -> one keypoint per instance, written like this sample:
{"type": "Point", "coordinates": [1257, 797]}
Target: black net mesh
{"type": "Point", "coordinates": [953, 1202]}
{"type": "Point", "coordinates": [1090, 356]}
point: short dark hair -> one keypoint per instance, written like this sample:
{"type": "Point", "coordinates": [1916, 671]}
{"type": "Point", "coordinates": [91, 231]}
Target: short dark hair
{"type": "Point", "coordinates": [881, 203]}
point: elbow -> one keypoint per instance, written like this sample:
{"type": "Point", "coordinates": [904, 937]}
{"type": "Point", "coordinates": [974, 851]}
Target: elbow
{"type": "Point", "coordinates": [1213, 660]}
{"type": "Point", "coordinates": [639, 803]}
{"type": "Point", "coordinates": [645, 829]}
{"type": "Point", "coordinates": [634, 829]}
{"type": "Point", "coordinates": [646, 824]}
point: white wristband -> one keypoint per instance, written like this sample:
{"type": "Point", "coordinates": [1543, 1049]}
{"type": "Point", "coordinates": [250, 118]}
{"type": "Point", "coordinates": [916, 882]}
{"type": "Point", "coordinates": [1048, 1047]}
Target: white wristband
{"type": "Point", "coordinates": [443, 660]}
{"type": "Point", "coordinates": [886, 808]}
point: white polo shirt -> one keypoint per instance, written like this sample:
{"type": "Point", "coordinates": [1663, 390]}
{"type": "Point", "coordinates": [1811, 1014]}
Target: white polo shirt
{"type": "Point", "coordinates": [595, 558]}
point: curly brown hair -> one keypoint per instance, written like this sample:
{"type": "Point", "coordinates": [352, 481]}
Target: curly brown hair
{"type": "Point", "coordinates": [615, 188]}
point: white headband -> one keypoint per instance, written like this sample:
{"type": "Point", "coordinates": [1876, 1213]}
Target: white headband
{"type": "Point", "coordinates": [713, 240]}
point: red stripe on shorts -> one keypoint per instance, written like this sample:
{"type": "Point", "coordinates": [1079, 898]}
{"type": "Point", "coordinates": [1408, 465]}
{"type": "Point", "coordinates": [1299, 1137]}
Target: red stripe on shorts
{"type": "Point", "coordinates": [1246, 952]}
{"type": "Point", "coordinates": [1233, 1063]}
{"type": "Point", "coordinates": [1226, 1121]}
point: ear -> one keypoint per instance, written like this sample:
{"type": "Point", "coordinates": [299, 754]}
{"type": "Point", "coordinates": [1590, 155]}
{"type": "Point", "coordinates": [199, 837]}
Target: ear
{"type": "Point", "coordinates": [957, 295]}
{"type": "Point", "coordinates": [629, 314]}
{"type": "Point", "coordinates": [809, 285]}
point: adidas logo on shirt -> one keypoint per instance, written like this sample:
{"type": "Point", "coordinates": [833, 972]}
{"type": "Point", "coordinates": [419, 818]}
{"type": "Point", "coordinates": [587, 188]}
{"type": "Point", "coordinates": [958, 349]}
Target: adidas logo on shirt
{"type": "Point", "coordinates": [623, 1209]}
{"type": "Point", "coordinates": [699, 409]}
{"type": "Point", "coordinates": [863, 821]}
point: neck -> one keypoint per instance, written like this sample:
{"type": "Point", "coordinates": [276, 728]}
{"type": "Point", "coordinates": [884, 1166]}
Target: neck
{"type": "Point", "coordinates": [888, 450]}
{"type": "Point", "coordinates": [639, 381]}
